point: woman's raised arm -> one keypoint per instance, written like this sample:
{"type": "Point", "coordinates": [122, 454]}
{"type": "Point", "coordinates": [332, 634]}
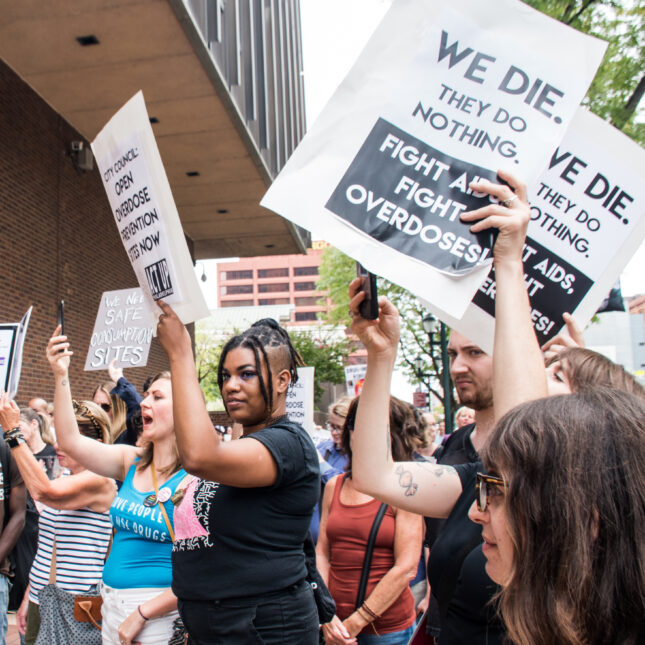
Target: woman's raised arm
{"type": "Point", "coordinates": [418, 487]}
{"type": "Point", "coordinates": [107, 460]}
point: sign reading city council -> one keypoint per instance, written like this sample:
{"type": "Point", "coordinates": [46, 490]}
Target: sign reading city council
{"type": "Point", "coordinates": [145, 213]}
{"type": "Point", "coordinates": [444, 93]}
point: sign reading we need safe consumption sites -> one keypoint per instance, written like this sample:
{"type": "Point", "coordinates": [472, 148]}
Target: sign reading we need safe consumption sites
{"type": "Point", "coordinates": [444, 93]}
{"type": "Point", "coordinates": [145, 213]}
{"type": "Point", "coordinates": [122, 331]}
{"type": "Point", "coordinates": [587, 221]}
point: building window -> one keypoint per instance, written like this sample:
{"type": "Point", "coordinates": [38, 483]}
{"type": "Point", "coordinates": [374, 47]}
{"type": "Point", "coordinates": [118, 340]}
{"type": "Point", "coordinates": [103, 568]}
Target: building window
{"type": "Point", "coordinates": [272, 288]}
{"type": "Point", "coordinates": [237, 303]}
{"type": "Point", "coordinates": [305, 271]}
{"type": "Point", "coordinates": [301, 316]}
{"type": "Point", "coordinates": [304, 302]}
{"type": "Point", "coordinates": [238, 275]}
{"type": "Point", "coordinates": [233, 289]}
{"type": "Point", "coordinates": [305, 286]}
{"type": "Point", "coordinates": [273, 273]}
{"type": "Point", "coordinates": [273, 301]}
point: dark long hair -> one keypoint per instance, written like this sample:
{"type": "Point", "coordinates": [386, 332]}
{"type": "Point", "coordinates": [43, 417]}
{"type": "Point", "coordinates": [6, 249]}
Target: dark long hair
{"type": "Point", "coordinates": [574, 467]}
{"type": "Point", "coordinates": [406, 430]}
{"type": "Point", "coordinates": [263, 337]}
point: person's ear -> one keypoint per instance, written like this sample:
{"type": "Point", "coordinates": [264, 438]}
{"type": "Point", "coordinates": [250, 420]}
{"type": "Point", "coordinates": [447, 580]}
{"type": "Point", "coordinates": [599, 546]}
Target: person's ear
{"type": "Point", "coordinates": [282, 381]}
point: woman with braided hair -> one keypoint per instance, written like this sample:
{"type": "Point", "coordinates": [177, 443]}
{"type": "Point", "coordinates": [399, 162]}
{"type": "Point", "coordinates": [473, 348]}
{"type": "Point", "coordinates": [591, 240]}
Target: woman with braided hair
{"type": "Point", "coordinates": [238, 561]}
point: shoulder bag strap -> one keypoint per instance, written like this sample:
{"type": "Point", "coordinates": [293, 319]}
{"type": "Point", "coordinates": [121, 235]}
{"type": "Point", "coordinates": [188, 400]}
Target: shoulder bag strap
{"type": "Point", "coordinates": [52, 566]}
{"type": "Point", "coordinates": [161, 506]}
{"type": "Point", "coordinates": [367, 562]}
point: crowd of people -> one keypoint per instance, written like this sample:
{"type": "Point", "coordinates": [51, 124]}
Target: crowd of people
{"type": "Point", "coordinates": [525, 525]}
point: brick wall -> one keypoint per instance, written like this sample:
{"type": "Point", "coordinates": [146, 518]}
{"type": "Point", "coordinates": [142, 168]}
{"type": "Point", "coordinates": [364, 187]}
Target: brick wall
{"type": "Point", "coordinates": [58, 240]}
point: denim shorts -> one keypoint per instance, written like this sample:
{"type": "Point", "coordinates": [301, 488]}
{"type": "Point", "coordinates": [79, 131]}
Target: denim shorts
{"type": "Point", "coordinates": [393, 638]}
{"type": "Point", "coordinates": [285, 617]}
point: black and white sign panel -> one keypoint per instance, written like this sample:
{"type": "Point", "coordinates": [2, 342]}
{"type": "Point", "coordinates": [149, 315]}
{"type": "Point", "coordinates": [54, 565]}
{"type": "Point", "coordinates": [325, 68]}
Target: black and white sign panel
{"type": "Point", "coordinates": [444, 92]}
{"type": "Point", "coordinates": [587, 221]}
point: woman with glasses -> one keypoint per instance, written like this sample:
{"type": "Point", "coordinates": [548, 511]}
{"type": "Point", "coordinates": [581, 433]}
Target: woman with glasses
{"type": "Point", "coordinates": [74, 522]}
{"type": "Point", "coordinates": [138, 604]}
{"type": "Point", "coordinates": [560, 493]}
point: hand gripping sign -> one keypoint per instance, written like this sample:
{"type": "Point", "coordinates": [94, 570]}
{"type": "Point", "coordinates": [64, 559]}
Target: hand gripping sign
{"type": "Point", "coordinates": [145, 213]}
{"type": "Point", "coordinates": [587, 221]}
{"type": "Point", "coordinates": [443, 93]}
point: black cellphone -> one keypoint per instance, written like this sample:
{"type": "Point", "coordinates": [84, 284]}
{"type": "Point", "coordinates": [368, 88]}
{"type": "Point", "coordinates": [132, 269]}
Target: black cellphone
{"type": "Point", "coordinates": [61, 317]}
{"type": "Point", "coordinates": [369, 307]}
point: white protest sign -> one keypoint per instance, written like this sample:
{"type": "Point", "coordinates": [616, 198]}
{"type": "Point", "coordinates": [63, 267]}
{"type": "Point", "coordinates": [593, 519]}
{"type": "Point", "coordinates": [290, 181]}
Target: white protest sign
{"type": "Point", "coordinates": [12, 342]}
{"type": "Point", "coordinates": [145, 213]}
{"type": "Point", "coordinates": [300, 399]}
{"type": "Point", "coordinates": [587, 221]}
{"type": "Point", "coordinates": [122, 331]}
{"type": "Point", "coordinates": [443, 93]}
{"type": "Point", "coordinates": [354, 378]}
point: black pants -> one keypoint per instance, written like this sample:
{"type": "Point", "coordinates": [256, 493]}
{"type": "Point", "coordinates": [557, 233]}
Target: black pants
{"type": "Point", "coordinates": [285, 617]}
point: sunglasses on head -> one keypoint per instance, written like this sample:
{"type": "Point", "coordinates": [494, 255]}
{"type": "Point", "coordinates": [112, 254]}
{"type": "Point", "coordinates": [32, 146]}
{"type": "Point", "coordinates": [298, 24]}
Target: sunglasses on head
{"type": "Point", "coordinates": [487, 487]}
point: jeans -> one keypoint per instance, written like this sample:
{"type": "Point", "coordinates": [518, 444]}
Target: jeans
{"type": "Point", "coordinates": [394, 638]}
{"type": "Point", "coordinates": [285, 617]}
{"type": "Point", "coordinates": [4, 603]}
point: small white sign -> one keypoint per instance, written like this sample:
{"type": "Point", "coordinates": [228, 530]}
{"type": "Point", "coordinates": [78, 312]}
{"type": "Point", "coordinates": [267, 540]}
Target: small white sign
{"type": "Point", "coordinates": [354, 378]}
{"type": "Point", "coordinates": [12, 342]}
{"type": "Point", "coordinates": [122, 331]}
{"type": "Point", "coordinates": [300, 399]}
{"type": "Point", "coordinates": [145, 213]}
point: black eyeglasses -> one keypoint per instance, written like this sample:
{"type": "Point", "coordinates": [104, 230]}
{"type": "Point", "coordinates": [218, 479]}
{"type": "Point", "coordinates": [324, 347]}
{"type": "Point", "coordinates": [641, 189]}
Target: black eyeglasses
{"type": "Point", "coordinates": [487, 487]}
{"type": "Point", "coordinates": [332, 427]}
{"type": "Point", "coordinates": [87, 419]}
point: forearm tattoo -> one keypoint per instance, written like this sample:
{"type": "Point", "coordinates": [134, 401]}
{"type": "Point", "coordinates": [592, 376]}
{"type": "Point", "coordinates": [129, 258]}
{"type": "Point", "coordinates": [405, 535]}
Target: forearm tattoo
{"type": "Point", "coordinates": [63, 382]}
{"type": "Point", "coordinates": [406, 481]}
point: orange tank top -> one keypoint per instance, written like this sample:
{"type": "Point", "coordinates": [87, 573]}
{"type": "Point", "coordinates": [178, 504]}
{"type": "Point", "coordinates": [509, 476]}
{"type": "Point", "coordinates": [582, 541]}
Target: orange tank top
{"type": "Point", "coordinates": [348, 529]}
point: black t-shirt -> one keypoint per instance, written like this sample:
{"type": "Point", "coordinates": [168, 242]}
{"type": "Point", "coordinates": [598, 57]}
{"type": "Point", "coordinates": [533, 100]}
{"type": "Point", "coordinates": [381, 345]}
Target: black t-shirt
{"type": "Point", "coordinates": [255, 535]}
{"type": "Point", "coordinates": [460, 585]}
{"type": "Point", "coordinates": [457, 449]}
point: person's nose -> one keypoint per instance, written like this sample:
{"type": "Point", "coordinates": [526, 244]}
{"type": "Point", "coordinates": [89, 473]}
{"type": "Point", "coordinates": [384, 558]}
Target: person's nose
{"type": "Point", "coordinates": [477, 516]}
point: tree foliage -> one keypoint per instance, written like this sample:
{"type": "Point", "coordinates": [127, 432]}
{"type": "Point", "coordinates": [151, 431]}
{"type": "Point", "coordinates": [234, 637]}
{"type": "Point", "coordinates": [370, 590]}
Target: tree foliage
{"type": "Point", "coordinates": [337, 270]}
{"type": "Point", "coordinates": [619, 84]}
{"type": "Point", "coordinates": [207, 353]}
{"type": "Point", "coordinates": [322, 349]}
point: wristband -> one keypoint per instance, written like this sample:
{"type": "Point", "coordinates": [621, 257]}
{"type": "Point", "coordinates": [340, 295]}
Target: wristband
{"type": "Point", "coordinates": [141, 613]}
{"type": "Point", "coordinates": [13, 437]}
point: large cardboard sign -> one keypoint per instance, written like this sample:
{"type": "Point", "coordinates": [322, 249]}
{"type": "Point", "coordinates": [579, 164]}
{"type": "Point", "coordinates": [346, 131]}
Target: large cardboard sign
{"type": "Point", "coordinates": [12, 342]}
{"type": "Point", "coordinates": [444, 92]}
{"type": "Point", "coordinates": [587, 221]}
{"type": "Point", "coordinates": [300, 399]}
{"type": "Point", "coordinates": [122, 331]}
{"type": "Point", "coordinates": [145, 213]}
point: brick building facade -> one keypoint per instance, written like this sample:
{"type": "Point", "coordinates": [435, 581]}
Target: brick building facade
{"type": "Point", "coordinates": [58, 240]}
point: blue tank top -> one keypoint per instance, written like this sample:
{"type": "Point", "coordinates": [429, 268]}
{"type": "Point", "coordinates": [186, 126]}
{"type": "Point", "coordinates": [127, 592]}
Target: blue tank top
{"type": "Point", "coordinates": [140, 555]}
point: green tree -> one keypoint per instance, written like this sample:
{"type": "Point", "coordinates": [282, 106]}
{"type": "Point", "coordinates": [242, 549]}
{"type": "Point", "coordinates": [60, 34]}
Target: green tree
{"type": "Point", "coordinates": [207, 353]}
{"type": "Point", "coordinates": [619, 84]}
{"type": "Point", "coordinates": [337, 270]}
{"type": "Point", "coordinates": [323, 350]}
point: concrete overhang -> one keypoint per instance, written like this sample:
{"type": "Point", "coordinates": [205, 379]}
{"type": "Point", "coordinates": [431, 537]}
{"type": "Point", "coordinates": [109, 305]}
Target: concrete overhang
{"type": "Point", "coordinates": [152, 45]}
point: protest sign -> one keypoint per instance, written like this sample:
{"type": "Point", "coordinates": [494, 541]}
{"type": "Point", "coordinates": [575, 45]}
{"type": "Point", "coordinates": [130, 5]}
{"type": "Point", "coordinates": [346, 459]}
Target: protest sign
{"type": "Point", "coordinates": [587, 220]}
{"type": "Point", "coordinates": [354, 377]}
{"type": "Point", "coordinates": [300, 399]}
{"type": "Point", "coordinates": [145, 213]}
{"type": "Point", "coordinates": [122, 331]}
{"type": "Point", "coordinates": [444, 92]}
{"type": "Point", "coordinates": [12, 342]}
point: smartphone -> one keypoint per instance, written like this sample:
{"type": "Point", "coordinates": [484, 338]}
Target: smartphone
{"type": "Point", "coordinates": [61, 317]}
{"type": "Point", "coordinates": [369, 307]}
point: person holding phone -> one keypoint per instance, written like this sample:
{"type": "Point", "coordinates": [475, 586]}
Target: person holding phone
{"type": "Point", "coordinates": [138, 604]}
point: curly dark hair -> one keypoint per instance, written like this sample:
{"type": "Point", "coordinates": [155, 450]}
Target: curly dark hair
{"type": "Point", "coordinates": [406, 430]}
{"type": "Point", "coordinates": [261, 338]}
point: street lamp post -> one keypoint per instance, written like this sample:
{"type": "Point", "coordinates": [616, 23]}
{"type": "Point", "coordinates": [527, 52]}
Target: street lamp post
{"type": "Point", "coordinates": [429, 323]}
